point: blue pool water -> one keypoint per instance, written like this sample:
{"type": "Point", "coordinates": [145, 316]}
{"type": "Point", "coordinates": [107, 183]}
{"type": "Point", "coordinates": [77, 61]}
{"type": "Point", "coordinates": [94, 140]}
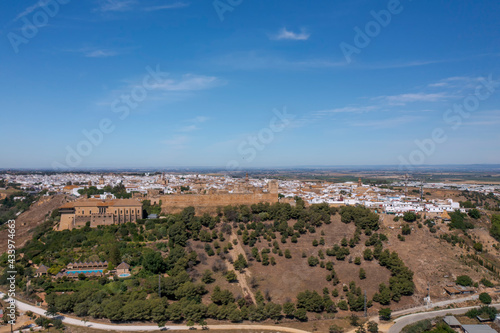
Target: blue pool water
{"type": "Point", "coordinates": [87, 271]}
{"type": "Point", "coordinates": [124, 275]}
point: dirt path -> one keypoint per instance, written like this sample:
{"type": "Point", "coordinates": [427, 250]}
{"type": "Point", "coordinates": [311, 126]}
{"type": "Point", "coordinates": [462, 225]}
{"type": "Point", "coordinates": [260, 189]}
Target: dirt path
{"type": "Point", "coordinates": [242, 277]}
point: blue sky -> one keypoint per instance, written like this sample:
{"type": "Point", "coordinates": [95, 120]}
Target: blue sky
{"type": "Point", "coordinates": [228, 68]}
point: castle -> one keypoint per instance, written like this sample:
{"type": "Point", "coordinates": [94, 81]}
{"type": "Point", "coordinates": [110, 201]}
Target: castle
{"type": "Point", "coordinates": [207, 200]}
{"type": "Point", "coordinates": [99, 212]}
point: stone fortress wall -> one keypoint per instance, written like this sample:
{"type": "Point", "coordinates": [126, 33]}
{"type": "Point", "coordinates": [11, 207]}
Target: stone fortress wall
{"type": "Point", "coordinates": [209, 202]}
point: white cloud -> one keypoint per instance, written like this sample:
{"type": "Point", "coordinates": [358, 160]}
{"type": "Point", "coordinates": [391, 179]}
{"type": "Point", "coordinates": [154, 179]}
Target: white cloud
{"type": "Point", "coordinates": [347, 109]}
{"type": "Point", "coordinates": [164, 7]}
{"type": "Point", "coordinates": [387, 123]}
{"type": "Point", "coordinates": [290, 35]}
{"type": "Point", "coordinates": [412, 97]}
{"type": "Point", "coordinates": [100, 54]}
{"type": "Point", "coordinates": [200, 119]}
{"type": "Point", "coordinates": [128, 5]}
{"type": "Point", "coordinates": [437, 85]}
{"type": "Point", "coordinates": [463, 81]}
{"type": "Point", "coordinates": [194, 124]}
{"type": "Point", "coordinates": [188, 82]}
{"type": "Point", "coordinates": [31, 9]}
{"type": "Point", "coordinates": [116, 5]}
{"type": "Point", "coordinates": [253, 60]}
{"type": "Point", "coordinates": [189, 128]}
{"type": "Point", "coordinates": [177, 141]}
{"type": "Point", "coordinates": [484, 118]}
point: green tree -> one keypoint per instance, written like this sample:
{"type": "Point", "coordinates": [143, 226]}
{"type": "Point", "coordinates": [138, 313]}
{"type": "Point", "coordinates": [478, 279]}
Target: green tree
{"type": "Point", "coordinates": [301, 314]}
{"type": "Point", "coordinates": [487, 283]}
{"type": "Point", "coordinates": [478, 247]}
{"type": "Point", "coordinates": [289, 309]}
{"type": "Point", "coordinates": [485, 298]}
{"type": "Point", "coordinates": [406, 230]}
{"type": "Point", "coordinates": [495, 226]}
{"type": "Point", "coordinates": [385, 314]}
{"type": "Point", "coordinates": [231, 276]}
{"type": "Point", "coordinates": [464, 280]}
{"type": "Point", "coordinates": [51, 311]}
{"type": "Point", "coordinates": [58, 324]}
{"type": "Point", "coordinates": [368, 254]}
{"type": "Point", "coordinates": [474, 213]}
{"type": "Point", "coordinates": [207, 277]}
{"type": "Point", "coordinates": [222, 297]}
{"type": "Point", "coordinates": [372, 327]}
{"type": "Point", "coordinates": [311, 301]}
{"type": "Point", "coordinates": [335, 329]}
{"type": "Point", "coordinates": [313, 261]}
{"type": "Point", "coordinates": [410, 217]}
{"type": "Point", "coordinates": [342, 305]}
{"type": "Point", "coordinates": [154, 263]}
{"type": "Point", "coordinates": [240, 264]}
{"type": "Point", "coordinates": [362, 274]}
{"type": "Point", "coordinates": [354, 320]}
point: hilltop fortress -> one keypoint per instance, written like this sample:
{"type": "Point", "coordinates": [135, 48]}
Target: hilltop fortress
{"type": "Point", "coordinates": [207, 200]}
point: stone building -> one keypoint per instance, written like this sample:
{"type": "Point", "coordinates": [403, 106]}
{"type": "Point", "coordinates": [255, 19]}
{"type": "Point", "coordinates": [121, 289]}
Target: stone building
{"type": "Point", "coordinates": [41, 271]}
{"type": "Point", "coordinates": [99, 212]}
{"type": "Point", "coordinates": [208, 201]}
{"type": "Point", "coordinates": [123, 269]}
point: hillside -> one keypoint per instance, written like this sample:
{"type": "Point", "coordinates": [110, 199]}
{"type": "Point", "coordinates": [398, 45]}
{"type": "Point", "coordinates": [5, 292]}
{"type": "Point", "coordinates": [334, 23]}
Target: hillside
{"type": "Point", "coordinates": [30, 219]}
{"type": "Point", "coordinates": [258, 263]}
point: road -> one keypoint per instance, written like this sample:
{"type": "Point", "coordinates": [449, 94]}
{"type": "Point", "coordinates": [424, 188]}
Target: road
{"type": "Point", "coordinates": [23, 307]}
{"type": "Point", "coordinates": [434, 305]}
{"type": "Point", "coordinates": [401, 322]}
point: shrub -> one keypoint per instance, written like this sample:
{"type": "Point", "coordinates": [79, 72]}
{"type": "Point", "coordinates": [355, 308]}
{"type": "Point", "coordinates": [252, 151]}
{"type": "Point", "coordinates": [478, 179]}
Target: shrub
{"type": "Point", "coordinates": [406, 230]}
{"type": "Point", "coordinates": [486, 283]}
{"type": "Point", "coordinates": [362, 274]}
{"type": "Point", "coordinates": [313, 261]}
{"type": "Point", "coordinates": [342, 305]}
{"type": "Point", "coordinates": [495, 226]}
{"type": "Point", "coordinates": [474, 213]}
{"type": "Point", "coordinates": [478, 247]}
{"type": "Point", "coordinates": [410, 217]}
{"type": "Point", "coordinates": [335, 329]}
{"type": "Point", "coordinates": [464, 280]}
{"type": "Point", "coordinates": [485, 298]}
{"type": "Point", "coordinates": [385, 313]}
{"type": "Point", "coordinates": [231, 276]}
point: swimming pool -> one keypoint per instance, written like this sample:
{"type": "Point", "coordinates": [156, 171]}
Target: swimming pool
{"type": "Point", "coordinates": [124, 275]}
{"type": "Point", "coordinates": [86, 271]}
